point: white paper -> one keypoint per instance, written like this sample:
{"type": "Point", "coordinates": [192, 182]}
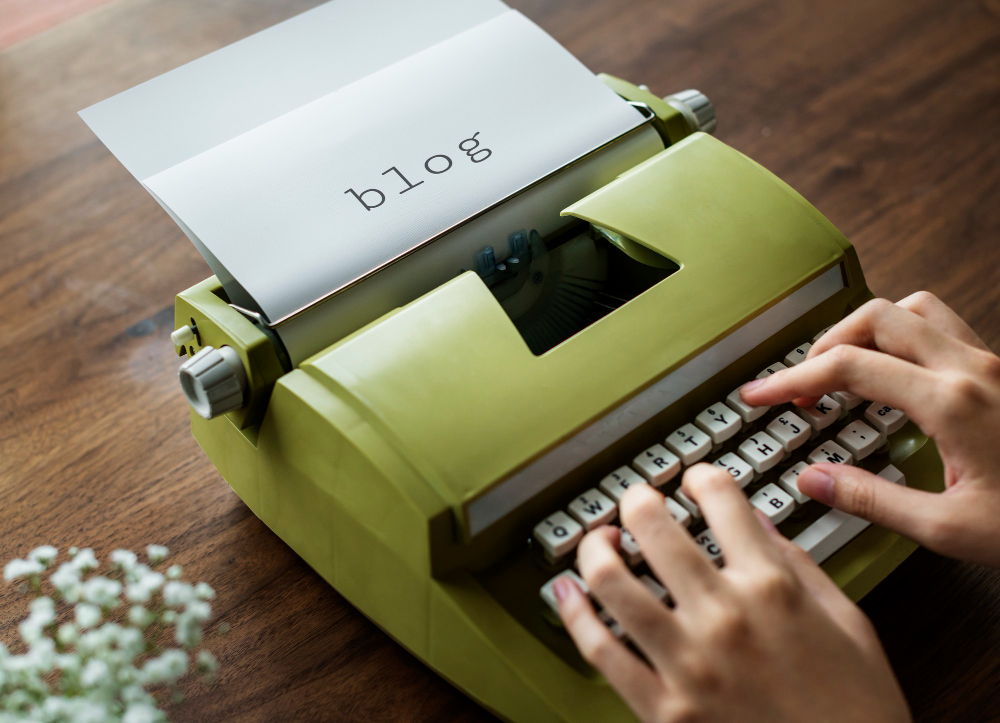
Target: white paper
{"type": "Point", "coordinates": [268, 199]}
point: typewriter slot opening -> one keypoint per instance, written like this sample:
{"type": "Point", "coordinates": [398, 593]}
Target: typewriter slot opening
{"type": "Point", "coordinates": [555, 287]}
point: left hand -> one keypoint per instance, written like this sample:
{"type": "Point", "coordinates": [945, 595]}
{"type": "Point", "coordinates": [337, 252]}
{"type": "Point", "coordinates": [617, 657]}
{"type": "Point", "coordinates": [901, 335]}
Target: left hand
{"type": "Point", "coordinates": [767, 638]}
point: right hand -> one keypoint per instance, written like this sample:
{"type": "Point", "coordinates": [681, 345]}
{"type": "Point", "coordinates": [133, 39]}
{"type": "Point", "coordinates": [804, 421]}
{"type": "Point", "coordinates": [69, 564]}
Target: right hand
{"type": "Point", "coordinates": [919, 356]}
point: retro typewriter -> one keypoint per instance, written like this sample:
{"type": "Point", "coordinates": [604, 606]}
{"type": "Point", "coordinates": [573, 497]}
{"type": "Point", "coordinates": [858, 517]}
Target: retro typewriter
{"type": "Point", "coordinates": [438, 458]}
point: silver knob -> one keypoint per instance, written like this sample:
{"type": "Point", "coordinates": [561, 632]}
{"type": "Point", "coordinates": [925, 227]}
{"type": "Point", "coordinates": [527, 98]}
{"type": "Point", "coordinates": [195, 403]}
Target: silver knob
{"type": "Point", "coordinates": [214, 381]}
{"type": "Point", "coordinates": [696, 109]}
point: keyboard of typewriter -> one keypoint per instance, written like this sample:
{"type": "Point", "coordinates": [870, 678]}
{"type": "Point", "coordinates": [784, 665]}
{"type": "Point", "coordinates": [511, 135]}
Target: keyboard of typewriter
{"type": "Point", "coordinates": [763, 448]}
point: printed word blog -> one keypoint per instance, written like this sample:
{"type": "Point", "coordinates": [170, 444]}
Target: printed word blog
{"type": "Point", "coordinates": [435, 165]}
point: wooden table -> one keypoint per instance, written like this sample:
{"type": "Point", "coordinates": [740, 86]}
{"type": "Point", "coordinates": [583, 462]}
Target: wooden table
{"type": "Point", "coordinates": [884, 114]}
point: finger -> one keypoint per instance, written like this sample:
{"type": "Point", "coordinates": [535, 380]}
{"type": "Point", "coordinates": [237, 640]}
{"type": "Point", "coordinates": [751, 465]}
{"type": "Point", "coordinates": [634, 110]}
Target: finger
{"type": "Point", "coordinates": [821, 587]}
{"type": "Point", "coordinates": [729, 515]}
{"type": "Point", "coordinates": [646, 620]}
{"type": "Point", "coordinates": [869, 374]}
{"type": "Point", "coordinates": [667, 547]}
{"type": "Point", "coordinates": [880, 324]}
{"type": "Point", "coordinates": [910, 512]}
{"type": "Point", "coordinates": [633, 679]}
{"type": "Point", "coordinates": [930, 307]}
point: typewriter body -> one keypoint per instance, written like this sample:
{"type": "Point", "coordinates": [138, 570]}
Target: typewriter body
{"type": "Point", "coordinates": [411, 456]}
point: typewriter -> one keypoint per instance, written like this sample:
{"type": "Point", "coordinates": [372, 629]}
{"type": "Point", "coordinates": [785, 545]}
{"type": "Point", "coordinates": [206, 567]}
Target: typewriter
{"type": "Point", "coordinates": [437, 461]}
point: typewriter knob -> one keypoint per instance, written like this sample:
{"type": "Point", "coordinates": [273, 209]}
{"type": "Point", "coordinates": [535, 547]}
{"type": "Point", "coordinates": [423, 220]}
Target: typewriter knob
{"type": "Point", "coordinates": [696, 109]}
{"type": "Point", "coordinates": [214, 381]}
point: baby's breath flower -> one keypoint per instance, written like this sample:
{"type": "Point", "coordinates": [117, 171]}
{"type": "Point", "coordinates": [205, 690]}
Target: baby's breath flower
{"type": "Point", "coordinates": [206, 662]}
{"type": "Point", "coordinates": [157, 553]}
{"type": "Point", "coordinates": [102, 591]}
{"type": "Point", "coordinates": [43, 555]}
{"type": "Point", "coordinates": [94, 673]}
{"type": "Point", "coordinates": [87, 669]}
{"type": "Point", "coordinates": [177, 593]}
{"type": "Point", "coordinates": [87, 615]}
{"type": "Point", "coordinates": [85, 559]}
{"type": "Point", "coordinates": [16, 569]}
{"type": "Point", "coordinates": [124, 559]}
{"type": "Point", "coordinates": [140, 616]}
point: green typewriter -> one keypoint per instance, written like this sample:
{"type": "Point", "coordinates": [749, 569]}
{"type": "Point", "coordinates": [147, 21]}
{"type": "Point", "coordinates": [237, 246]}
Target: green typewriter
{"type": "Point", "coordinates": [438, 463]}
{"type": "Point", "coordinates": [435, 437]}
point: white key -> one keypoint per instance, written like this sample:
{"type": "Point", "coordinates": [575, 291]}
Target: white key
{"type": "Point", "coordinates": [706, 541]}
{"type": "Point", "coordinates": [747, 413]}
{"type": "Point", "coordinates": [789, 482]}
{"type": "Point", "coordinates": [816, 338]}
{"type": "Point", "coordinates": [615, 484]}
{"type": "Point", "coordinates": [859, 439]}
{"type": "Point", "coordinates": [735, 465]}
{"type": "Point", "coordinates": [678, 512]}
{"type": "Point", "coordinates": [630, 549]}
{"type": "Point", "coordinates": [612, 624]}
{"type": "Point", "coordinates": [846, 399]}
{"type": "Point", "coordinates": [689, 443]}
{"type": "Point", "coordinates": [830, 452]}
{"type": "Point", "coordinates": [894, 475]}
{"type": "Point", "coordinates": [592, 509]}
{"type": "Point", "coordinates": [790, 430]}
{"type": "Point", "coordinates": [776, 367]}
{"type": "Point", "coordinates": [657, 464]}
{"type": "Point", "coordinates": [558, 534]}
{"type": "Point", "coordinates": [549, 595]}
{"type": "Point", "coordinates": [773, 502]}
{"type": "Point", "coordinates": [884, 418]}
{"type": "Point", "coordinates": [688, 504]}
{"type": "Point", "coordinates": [797, 355]}
{"type": "Point", "coordinates": [836, 528]}
{"type": "Point", "coordinates": [822, 414]}
{"type": "Point", "coordinates": [659, 592]}
{"type": "Point", "coordinates": [762, 451]}
{"type": "Point", "coordinates": [720, 422]}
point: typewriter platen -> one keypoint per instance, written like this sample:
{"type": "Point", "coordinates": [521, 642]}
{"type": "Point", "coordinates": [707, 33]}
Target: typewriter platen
{"type": "Point", "coordinates": [414, 455]}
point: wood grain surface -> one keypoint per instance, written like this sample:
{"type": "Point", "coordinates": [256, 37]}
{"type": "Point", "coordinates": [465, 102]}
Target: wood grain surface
{"type": "Point", "coordinates": [886, 115]}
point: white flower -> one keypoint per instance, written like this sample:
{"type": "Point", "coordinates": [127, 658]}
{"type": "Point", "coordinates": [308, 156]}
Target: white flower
{"type": "Point", "coordinates": [167, 667]}
{"type": "Point", "coordinates": [87, 615]}
{"type": "Point", "coordinates": [66, 579]}
{"type": "Point", "coordinates": [43, 613]}
{"type": "Point", "coordinates": [67, 634]}
{"type": "Point", "coordinates": [85, 559]}
{"type": "Point", "coordinates": [187, 631]}
{"type": "Point", "coordinates": [102, 591]}
{"type": "Point", "coordinates": [199, 610]}
{"type": "Point", "coordinates": [142, 713]}
{"type": "Point", "coordinates": [140, 616]}
{"type": "Point", "coordinates": [94, 673]}
{"type": "Point", "coordinates": [18, 568]}
{"type": "Point", "coordinates": [204, 591]}
{"type": "Point", "coordinates": [43, 555]}
{"type": "Point", "coordinates": [157, 553]}
{"type": "Point", "coordinates": [174, 572]}
{"type": "Point", "coordinates": [142, 589]}
{"type": "Point", "coordinates": [206, 662]}
{"type": "Point", "coordinates": [177, 593]}
{"type": "Point", "coordinates": [124, 559]}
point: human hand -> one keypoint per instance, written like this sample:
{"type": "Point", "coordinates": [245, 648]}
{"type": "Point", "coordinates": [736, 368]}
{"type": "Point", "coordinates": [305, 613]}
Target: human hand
{"type": "Point", "coordinates": [767, 638]}
{"type": "Point", "coordinates": [919, 356]}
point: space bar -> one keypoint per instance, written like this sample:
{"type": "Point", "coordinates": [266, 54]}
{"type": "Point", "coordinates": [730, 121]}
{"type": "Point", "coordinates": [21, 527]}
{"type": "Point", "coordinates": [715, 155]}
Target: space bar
{"type": "Point", "coordinates": [836, 528]}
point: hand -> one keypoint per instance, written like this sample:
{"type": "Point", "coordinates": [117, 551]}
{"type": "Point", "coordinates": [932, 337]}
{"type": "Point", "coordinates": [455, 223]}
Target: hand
{"type": "Point", "coordinates": [920, 357]}
{"type": "Point", "coordinates": [767, 638]}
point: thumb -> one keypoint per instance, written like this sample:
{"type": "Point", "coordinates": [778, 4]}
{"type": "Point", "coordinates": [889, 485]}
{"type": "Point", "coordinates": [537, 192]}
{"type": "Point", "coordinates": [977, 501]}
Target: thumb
{"type": "Point", "coordinates": [910, 512]}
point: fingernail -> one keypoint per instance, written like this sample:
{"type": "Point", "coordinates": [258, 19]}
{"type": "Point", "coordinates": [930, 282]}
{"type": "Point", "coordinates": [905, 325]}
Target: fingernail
{"type": "Point", "coordinates": [752, 385]}
{"type": "Point", "coordinates": [561, 588]}
{"type": "Point", "coordinates": [765, 522]}
{"type": "Point", "coordinates": [818, 485]}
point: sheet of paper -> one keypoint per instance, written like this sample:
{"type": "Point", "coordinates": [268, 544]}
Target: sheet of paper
{"type": "Point", "coordinates": [315, 199]}
{"type": "Point", "coordinates": [208, 101]}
